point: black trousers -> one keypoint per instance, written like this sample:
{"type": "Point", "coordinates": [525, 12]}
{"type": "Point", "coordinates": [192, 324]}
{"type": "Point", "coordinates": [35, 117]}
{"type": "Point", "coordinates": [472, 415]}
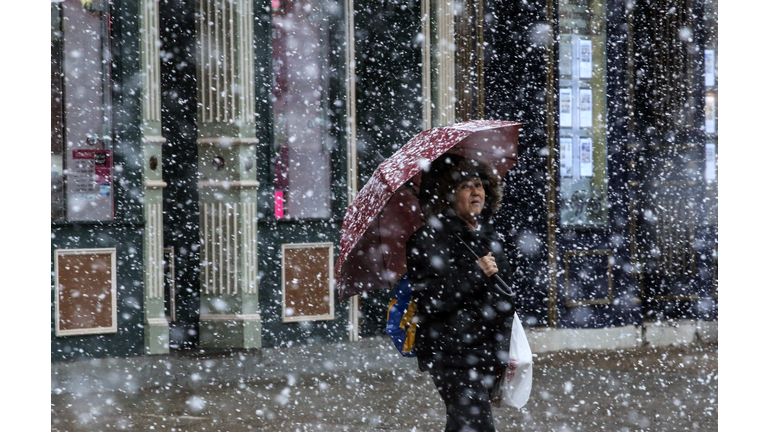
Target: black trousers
{"type": "Point", "coordinates": [467, 396]}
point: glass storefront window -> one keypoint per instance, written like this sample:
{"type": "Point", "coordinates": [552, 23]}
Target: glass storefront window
{"type": "Point", "coordinates": [710, 111]}
{"type": "Point", "coordinates": [583, 156]}
{"type": "Point", "coordinates": [81, 144]}
{"type": "Point", "coordinates": [302, 140]}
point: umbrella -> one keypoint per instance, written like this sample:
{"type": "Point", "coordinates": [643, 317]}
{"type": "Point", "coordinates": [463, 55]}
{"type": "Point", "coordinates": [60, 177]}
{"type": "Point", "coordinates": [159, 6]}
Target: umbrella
{"type": "Point", "coordinates": [386, 211]}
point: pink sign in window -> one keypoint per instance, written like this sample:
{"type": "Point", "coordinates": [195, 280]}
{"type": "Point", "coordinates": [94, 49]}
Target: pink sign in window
{"type": "Point", "coordinates": [278, 204]}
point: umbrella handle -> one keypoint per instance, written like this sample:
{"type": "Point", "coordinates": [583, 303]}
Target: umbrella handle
{"type": "Point", "coordinates": [506, 290]}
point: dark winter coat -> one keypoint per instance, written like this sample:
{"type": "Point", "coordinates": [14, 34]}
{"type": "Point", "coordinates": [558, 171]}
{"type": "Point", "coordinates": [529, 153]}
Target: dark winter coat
{"type": "Point", "coordinates": [463, 320]}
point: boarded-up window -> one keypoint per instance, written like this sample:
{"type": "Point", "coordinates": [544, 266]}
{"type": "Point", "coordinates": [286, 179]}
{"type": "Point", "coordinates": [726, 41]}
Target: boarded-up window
{"type": "Point", "coordinates": [85, 291]}
{"type": "Point", "coordinates": [307, 282]}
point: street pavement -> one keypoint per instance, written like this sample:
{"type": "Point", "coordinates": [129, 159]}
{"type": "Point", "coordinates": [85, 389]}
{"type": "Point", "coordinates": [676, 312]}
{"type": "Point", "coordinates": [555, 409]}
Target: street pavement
{"type": "Point", "coordinates": [643, 389]}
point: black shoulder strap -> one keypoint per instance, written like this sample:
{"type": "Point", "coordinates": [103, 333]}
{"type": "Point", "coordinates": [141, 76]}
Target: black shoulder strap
{"type": "Point", "coordinates": [504, 288]}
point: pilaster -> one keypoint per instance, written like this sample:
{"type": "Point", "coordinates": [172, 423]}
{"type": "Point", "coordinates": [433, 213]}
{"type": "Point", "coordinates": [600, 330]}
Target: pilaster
{"type": "Point", "coordinates": [229, 309]}
{"type": "Point", "coordinates": [426, 65]}
{"type": "Point", "coordinates": [443, 63]}
{"type": "Point", "coordinates": [156, 330]}
{"type": "Point", "coordinates": [351, 138]}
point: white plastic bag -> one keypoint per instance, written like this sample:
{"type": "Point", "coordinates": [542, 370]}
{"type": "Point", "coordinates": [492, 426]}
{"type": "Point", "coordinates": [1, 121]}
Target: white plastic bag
{"type": "Point", "coordinates": [518, 378]}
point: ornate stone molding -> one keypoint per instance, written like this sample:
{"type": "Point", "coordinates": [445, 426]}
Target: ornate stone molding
{"type": "Point", "coordinates": [157, 321]}
{"type": "Point", "coordinates": [153, 139]}
{"type": "Point", "coordinates": [156, 334]}
{"type": "Point", "coordinates": [153, 254]}
{"type": "Point", "coordinates": [224, 184]}
{"type": "Point", "coordinates": [225, 61]}
{"type": "Point", "coordinates": [155, 184]}
{"type": "Point", "coordinates": [225, 141]}
{"type": "Point", "coordinates": [226, 160]}
{"type": "Point", "coordinates": [149, 37]}
{"type": "Point", "coordinates": [230, 317]}
{"type": "Point", "coordinates": [228, 236]}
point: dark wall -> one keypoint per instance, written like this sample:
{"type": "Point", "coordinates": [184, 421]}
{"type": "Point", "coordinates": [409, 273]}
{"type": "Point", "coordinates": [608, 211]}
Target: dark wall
{"type": "Point", "coordinates": [126, 110]}
{"type": "Point", "coordinates": [515, 89]}
{"type": "Point", "coordinates": [671, 161]}
{"type": "Point", "coordinates": [388, 68]}
{"type": "Point", "coordinates": [181, 208]}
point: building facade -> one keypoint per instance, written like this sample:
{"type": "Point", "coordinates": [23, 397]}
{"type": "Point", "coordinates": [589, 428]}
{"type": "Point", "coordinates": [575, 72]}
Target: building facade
{"type": "Point", "coordinates": [203, 155]}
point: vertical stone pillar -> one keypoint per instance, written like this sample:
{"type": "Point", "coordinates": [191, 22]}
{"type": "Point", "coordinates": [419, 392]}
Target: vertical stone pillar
{"type": "Point", "coordinates": [156, 330]}
{"type": "Point", "coordinates": [443, 53]}
{"type": "Point", "coordinates": [229, 308]}
{"type": "Point", "coordinates": [426, 65]}
{"type": "Point", "coordinates": [351, 137]}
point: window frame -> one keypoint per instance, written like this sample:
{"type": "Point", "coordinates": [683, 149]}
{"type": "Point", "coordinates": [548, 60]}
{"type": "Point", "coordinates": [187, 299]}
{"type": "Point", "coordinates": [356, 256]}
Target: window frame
{"type": "Point", "coordinates": [597, 131]}
{"type": "Point", "coordinates": [104, 139]}
{"type": "Point", "coordinates": [328, 134]}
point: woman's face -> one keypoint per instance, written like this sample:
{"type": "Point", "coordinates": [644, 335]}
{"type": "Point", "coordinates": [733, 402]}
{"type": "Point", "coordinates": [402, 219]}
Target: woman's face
{"type": "Point", "coordinates": [469, 199]}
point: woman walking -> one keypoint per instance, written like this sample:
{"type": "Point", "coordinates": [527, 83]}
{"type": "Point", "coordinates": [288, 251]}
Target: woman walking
{"type": "Point", "coordinates": [464, 318]}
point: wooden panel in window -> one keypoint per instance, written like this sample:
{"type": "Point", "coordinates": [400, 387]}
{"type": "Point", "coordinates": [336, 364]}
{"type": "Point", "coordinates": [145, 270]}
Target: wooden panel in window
{"type": "Point", "coordinates": [588, 278]}
{"type": "Point", "coordinates": [85, 291]}
{"type": "Point", "coordinates": [307, 282]}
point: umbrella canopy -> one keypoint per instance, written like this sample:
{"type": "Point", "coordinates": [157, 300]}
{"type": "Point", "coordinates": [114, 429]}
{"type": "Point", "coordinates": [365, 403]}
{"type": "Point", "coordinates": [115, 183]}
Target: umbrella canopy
{"type": "Point", "coordinates": [386, 212]}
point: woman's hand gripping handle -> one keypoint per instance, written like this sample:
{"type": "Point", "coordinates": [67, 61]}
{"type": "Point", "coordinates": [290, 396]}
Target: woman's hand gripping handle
{"type": "Point", "coordinates": [488, 265]}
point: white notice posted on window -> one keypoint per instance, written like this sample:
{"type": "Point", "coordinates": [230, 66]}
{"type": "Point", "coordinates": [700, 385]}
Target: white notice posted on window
{"type": "Point", "coordinates": [585, 157]}
{"type": "Point", "coordinates": [585, 108]}
{"type": "Point", "coordinates": [710, 170]}
{"type": "Point", "coordinates": [709, 113]}
{"type": "Point", "coordinates": [585, 58]}
{"type": "Point", "coordinates": [566, 108]}
{"type": "Point", "coordinates": [709, 67]}
{"type": "Point", "coordinates": [566, 157]}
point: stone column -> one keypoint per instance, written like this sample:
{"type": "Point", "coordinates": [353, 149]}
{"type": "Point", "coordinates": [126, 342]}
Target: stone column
{"type": "Point", "coordinates": [442, 46]}
{"type": "Point", "coordinates": [351, 137]}
{"type": "Point", "coordinates": [229, 308]}
{"type": "Point", "coordinates": [156, 331]}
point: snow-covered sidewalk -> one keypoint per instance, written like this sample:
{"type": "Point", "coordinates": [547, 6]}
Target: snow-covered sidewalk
{"type": "Point", "coordinates": [368, 387]}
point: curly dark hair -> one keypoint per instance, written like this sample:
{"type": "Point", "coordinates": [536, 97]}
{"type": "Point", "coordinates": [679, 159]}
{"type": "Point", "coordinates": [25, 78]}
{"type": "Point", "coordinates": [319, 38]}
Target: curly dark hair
{"type": "Point", "coordinates": [439, 184]}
